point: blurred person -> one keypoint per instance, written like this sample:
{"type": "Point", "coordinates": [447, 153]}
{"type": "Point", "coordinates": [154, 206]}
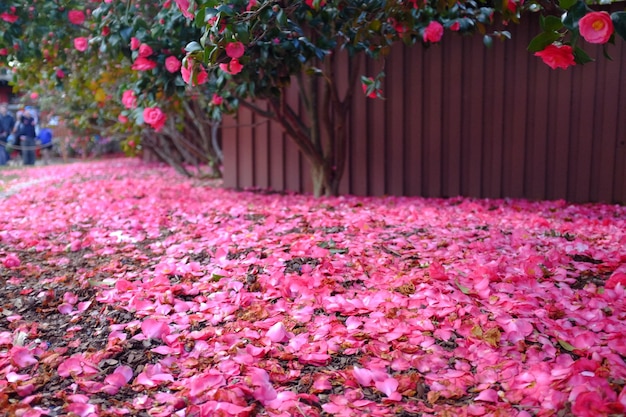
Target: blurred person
{"type": "Point", "coordinates": [27, 136]}
{"type": "Point", "coordinates": [7, 124]}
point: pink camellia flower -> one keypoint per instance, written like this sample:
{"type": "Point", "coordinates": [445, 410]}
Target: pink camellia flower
{"type": "Point", "coordinates": [433, 32]}
{"type": "Point", "coordinates": [60, 73]}
{"type": "Point", "coordinates": [106, 31]}
{"type": "Point", "coordinates": [134, 43]}
{"type": "Point", "coordinates": [129, 99]}
{"type": "Point", "coordinates": [233, 67]}
{"type": "Point", "coordinates": [145, 50]}
{"type": "Point", "coordinates": [4, 52]}
{"type": "Point", "coordinates": [76, 17]}
{"type": "Point", "coordinates": [172, 64]}
{"type": "Point", "coordinates": [596, 27]}
{"type": "Point", "coordinates": [235, 50]}
{"type": "Point", "coordinates": [81, 44]}
{"type": "Point", "coordinates": [122, 119]}
{"type": "Point", "coordinates": [143, 64]}
{"type": "Point", "coordinates": [183, 5]}
{"type": "Point", "coordinates": [557, 56]}
{"type": "Point", "coordinates": [216, 100]}
{"type": "Point", "coordinates": [455, 27]}
{"type": "Point", "coordinates": [155, 117]}
{"type": "Point", "coordinates": [187, 72]}
{"type": "Point", "coordinates": [8, 17]}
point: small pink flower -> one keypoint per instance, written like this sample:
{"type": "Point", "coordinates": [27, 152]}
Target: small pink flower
{"type": "Point", "coordinates": [60, 73]}
{"type": "Point", "coordinates": [455, 27]}
{"type": "Point", "coordinates": [4, 52]}
{"type": "Point", "coordinates": [145, 50]}
{"type": "Point", "coordinates": [433, 32]}
{"type": "Point", "coordinates": [76, 17]}
{"type": "Point", "coordinates": [201, 76]}
{"type": "Point", "coordinates": [143, 64]}
{"type": "Point", "coordinates": [134, 43]}
{"type": "Point", "coordinates": [8, 17]}
{"type": "Point", "coordinates": [235, 50]}
{"type": "Point", "coordinates": [557, 56]}
{"type": "Point", "coordinates": [183, 5]}
{"type": "Point", "coordinates": [216, 100]}
{"type": "Point", "coordinates": [122, 119]}
{"type": "Point", "coordinates": [81, 44]}
{"type": "Point", "coordinates": [155, 117]}
{"type": "Point", "coordinates": [129, 99]}
{"type": "Point", "coordinates": [172, 64]}
{"type": "Point", "coordinates": [596, 27]}
{"type": "Point", "coordinates": [233, 67]}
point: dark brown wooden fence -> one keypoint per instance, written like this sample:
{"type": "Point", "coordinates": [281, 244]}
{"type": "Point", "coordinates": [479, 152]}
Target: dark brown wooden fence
{"type": "Point", "coordinates": [461, 119]}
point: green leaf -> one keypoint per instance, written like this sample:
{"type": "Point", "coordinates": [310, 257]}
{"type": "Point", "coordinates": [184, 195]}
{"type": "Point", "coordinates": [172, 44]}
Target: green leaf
{"type": "Point", "coordinates": [566, 345]}
{"type": "Point", "coordinates": [200, 17]}
{"type": "Point", "coordinates": [539, 42]}
{"type": "Point", "coordinates": [574, 14]}
{"type": "Point", "coordinates": [465, 290]}
{"type": "Point", "coordinates": [566, 4]}
{"type": "Point", "coordinates": [281, 17]}
{"type": "Point", "coordinates": [341, 251]}
{"type": "Point", "coordinates": [216, 277]}
{"type": "Point", "coordinates": [488, 41]}
{"type": "Point", "coordinates": [581, 57]}
{"type": "Point", "coordinates": [552, 24]}
{"type": "Point", "coordinates": [619, 22]}
{"type": "Point", "coordinates": [193, 47]}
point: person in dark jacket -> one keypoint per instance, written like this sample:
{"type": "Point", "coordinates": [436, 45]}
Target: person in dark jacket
{"type": "Point", "coordinates": [7, 123]}
{"type": "Point", "coordinates": [27, 134]}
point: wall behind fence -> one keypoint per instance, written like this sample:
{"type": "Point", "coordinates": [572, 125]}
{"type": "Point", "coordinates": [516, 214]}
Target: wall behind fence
{"type": "Point", "coordinates": [461, 119]}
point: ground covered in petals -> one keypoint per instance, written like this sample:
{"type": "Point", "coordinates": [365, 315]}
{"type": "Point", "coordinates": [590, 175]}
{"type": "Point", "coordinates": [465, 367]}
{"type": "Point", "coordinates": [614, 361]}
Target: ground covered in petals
{"type": "Point", "coordinates": [127, 290]}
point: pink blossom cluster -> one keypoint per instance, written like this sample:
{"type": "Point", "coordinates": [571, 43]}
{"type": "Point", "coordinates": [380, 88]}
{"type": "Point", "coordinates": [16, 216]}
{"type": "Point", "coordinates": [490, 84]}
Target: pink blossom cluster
{"type": "Point", "coordinates": [285, 305]}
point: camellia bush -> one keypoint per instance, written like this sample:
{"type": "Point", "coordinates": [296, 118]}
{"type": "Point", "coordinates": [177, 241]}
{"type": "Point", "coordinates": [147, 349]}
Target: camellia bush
{"type": "Point", "coordinates": [186, 62]}
{"type": "Point", "coordinates": [254, 49]}
{"type": "Point", "coordinates": [114, 68]}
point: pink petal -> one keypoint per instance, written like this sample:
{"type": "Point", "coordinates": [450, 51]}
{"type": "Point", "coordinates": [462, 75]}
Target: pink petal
{"type": "Point", "coordinates": [154, 329]}
{"type": "Point", "coordinates": [70, 366]}
{"type": "Point", "coordinates": [387, 386]}
{"type": "Point", "coordinates": [277, 333]}
{"type": "Point", "coordinates": [362, 376]}
{"type": "Point", "coordinates": [65, 308]}
{"type": "Point", "coordinates": [22, 356]}
{"type": "Point", "coordinates": [81, 409]}
{"type": "Point", "coordinates": [205, 382]}
{"type": "Point", "coordinates": [15, 377]}
{"type": "Point", "coordinates": [489, 395]}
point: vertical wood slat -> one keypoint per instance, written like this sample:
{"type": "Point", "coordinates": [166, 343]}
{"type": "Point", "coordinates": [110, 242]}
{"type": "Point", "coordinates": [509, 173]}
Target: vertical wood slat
{"type": "Point", "coordinates": [414, 136]}
{"type": "Point", "coordinates": [245, 147]}
{"type": "Point", "coordinates": [359, 144]}
{"type": "Point", "coordinates": [462, 120]}
{"type": "Point", "coordinates": [451, 129]}
{"type": "Point", "coordinates": [230, 139]}
{"type": "Point", "coordinates": [432, 83]}
{"type": "Point", "coordinates": [395, 128]}
{"type": "Point", "coordinates": [261, 149]}
{"type": "Point", "coordinates": [376, 156]}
